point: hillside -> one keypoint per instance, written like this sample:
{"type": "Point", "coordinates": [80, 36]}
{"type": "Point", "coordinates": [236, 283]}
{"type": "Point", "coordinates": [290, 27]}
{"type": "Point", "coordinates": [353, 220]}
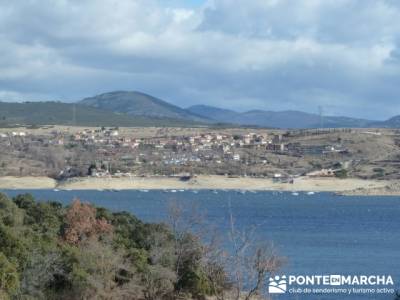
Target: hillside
{"type": "Point", "coordinates": [139, 104]}
{"type": "Point", "coordinates": [57, 113]}
{"type": "Point", "coordinates": [278, 119]}
{"type": "Point", "coordinates": [393, 122]}
{"type": "Point", "coordinates": [214, 113]}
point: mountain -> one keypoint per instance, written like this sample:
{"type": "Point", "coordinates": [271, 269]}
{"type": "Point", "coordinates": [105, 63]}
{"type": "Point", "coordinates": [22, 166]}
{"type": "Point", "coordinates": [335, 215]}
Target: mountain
{"type": "Point", "coordinates": [213, 113]}
{"type": "Point", "coordinates": [393, 122]}
{"type": "Point", "coordinates": [139, 104]}
{"type": "Point", "coordinates": [138, 109]}
{"type": "Point", "coordinates": [57, 113]}
{"type": "Point", "coordinates": [278, 119]}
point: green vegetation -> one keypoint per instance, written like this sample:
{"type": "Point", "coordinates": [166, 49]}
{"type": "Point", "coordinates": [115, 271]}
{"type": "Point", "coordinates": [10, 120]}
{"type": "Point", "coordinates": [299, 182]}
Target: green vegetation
{"type": "Point", "coordinates": [342, 173]}
{"type": "Point", "coordinates": [57, 113]}
{"type": "Point", "coordinates": [80, 252]}
{"type": "Point", "coordinates": [378, 173]}
{"type": "Point", "coordinates": [139, 104]}
{"type": "Point", "coordinates": [48, 251]}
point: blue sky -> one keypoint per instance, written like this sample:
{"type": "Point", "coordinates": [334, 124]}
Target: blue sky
{"type": "Point", "coordinates": [343, 55]}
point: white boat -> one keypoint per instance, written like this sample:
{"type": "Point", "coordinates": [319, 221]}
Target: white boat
{"type": "Point", "coordinates": [173, 191]}
{"type": "Point", "coordinates": [310, 193]}
{"type": "Point", "coordinates": [295, 193]}
{"type": "Point", "coordinates": [144, 191]}
{"type": "Point", "coordinates": [181, 190]}
{"type": "Point", "coordinates": [195, 192]}
{"type": "Point", "coordinates": [56, 190]}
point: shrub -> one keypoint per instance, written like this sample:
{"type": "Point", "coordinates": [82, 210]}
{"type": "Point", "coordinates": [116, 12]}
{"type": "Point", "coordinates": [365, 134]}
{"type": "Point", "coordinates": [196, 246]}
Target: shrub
{"type": "Point", "coordinates": [9, 279]}
{"type": "Point", "coordinates": [342, 173]}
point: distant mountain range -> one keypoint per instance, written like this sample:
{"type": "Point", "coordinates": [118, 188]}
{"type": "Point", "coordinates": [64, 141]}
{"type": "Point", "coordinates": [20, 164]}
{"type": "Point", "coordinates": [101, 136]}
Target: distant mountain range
{"type": "Point", "coordinates": [278, 119]}
{"type": "Point", "coordinates": [121, 108]}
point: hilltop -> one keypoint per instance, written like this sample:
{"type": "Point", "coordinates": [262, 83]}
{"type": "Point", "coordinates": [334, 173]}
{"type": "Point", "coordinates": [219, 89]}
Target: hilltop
{"type": "Point", "coordinates": [140, 104]}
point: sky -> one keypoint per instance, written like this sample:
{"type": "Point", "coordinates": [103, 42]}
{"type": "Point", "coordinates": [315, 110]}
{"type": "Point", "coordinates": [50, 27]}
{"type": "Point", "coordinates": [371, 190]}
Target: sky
{"type": "Point", "coordinates": [341, 55]}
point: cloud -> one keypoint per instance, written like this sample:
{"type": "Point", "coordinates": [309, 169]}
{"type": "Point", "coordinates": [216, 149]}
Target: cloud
{"type": "Point", "coordinates": [258, 54]}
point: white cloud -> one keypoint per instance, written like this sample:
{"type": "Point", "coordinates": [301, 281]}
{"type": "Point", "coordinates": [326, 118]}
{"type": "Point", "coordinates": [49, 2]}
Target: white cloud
{"type": "Point", "coordinates": [268, 54]}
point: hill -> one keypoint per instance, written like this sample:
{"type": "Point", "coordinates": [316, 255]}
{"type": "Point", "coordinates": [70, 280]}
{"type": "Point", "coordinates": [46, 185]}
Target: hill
{"type": "Point", "coordinates": [213, 113]}
{"type": "Point", "coordinates": [278, 119]}
{"type": "Point", "coordinates": [393, 122]}
{"type": "Point", "coordinates": [139, 104]}
{"type": "Point", "coordinates": [57, 113]}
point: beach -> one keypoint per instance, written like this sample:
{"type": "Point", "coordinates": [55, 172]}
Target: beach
{"type": "Point", "coordinates": [349, 186]}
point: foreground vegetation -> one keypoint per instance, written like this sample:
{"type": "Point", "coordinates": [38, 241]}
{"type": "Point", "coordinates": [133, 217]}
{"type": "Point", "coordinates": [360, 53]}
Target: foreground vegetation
{"type": "Point", "coordinates": [48, 251]}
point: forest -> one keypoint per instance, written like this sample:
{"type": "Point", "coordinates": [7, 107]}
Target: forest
{"type": "Point", "coordinates": [51, 251]}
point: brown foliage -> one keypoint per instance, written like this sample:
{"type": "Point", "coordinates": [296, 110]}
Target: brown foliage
{"type": "Point", "coordinates": [82, 224]}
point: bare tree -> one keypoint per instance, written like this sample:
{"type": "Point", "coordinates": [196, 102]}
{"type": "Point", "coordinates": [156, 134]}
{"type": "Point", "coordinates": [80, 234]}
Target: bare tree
{"type": "Point", "coordinates": [237, 273]}
{"type": "Point", "coordinates": [250, 262]}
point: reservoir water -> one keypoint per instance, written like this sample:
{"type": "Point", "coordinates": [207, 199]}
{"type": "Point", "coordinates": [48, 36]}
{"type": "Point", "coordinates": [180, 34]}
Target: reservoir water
{"type": "Point", "coordinates": [320, 234]}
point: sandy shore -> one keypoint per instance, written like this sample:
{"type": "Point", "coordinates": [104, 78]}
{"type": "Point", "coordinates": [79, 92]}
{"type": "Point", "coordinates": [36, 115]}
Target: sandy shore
{"type": "Point", "coordinates": [392, 188]}
{"type": "Point", "coordinates": [11, 182]}
{"type": "Point", "coordinates": [344, 186]}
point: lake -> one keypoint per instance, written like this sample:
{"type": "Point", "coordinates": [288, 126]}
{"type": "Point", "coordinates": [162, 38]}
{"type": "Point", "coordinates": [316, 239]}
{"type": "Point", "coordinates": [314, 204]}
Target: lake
{"type": "Point", "coordinates": [319, 234]}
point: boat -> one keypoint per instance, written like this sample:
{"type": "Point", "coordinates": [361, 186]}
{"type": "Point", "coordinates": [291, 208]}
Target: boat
{"type": "Point", "coordinates": [173, 191]}
{"type": "Point", "coordinates": [144, 191]}
{"type": "Point", "coordinates": [295, 193]}
{"type": "Point", "coordinates": [310, 193]}
{"type": "Point", "coordinates": [56, 190]}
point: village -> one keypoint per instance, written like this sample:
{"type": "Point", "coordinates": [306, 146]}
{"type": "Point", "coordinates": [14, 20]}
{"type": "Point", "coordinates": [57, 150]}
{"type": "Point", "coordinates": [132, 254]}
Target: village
{"type": "Point", "coordinates": [63, 153]}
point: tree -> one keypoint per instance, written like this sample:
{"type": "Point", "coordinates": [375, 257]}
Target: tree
{"type": "Point", "coordinates": [13, 246]}
{"type": "Point", "coordinates": [158, 282]}
{"type": "Point", "coordinates": [342, 173]}
{"type": "Point", "coordinates": [81, 223]}
{"type": "Point", "coordinates": [45, 270]}
{"type": "Point", "coordinates": [98, 269]}
{"type": "Point", "coordinates": [10, 215]}
{"type": "Point", "coordinates": [250, 263]}
{"type": "Point", "coordinates": [9, 279]}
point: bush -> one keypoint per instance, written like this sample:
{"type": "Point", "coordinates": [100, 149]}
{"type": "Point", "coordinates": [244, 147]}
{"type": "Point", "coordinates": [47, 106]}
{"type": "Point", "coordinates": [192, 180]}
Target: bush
{"type": "Point", "coordinates": [342, 174]}
{"type": "Point", "coordinates": [10, 215]}
{"type": "Point", "coordinates": [9, 279]}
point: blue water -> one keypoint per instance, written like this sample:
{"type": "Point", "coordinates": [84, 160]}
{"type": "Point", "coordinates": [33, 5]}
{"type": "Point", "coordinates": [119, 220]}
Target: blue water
{"type": "Point", "coordinates": [319, 234]}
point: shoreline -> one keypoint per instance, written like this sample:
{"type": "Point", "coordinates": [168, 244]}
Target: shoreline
{"type": "Point", "coordinates": [349, 186]}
